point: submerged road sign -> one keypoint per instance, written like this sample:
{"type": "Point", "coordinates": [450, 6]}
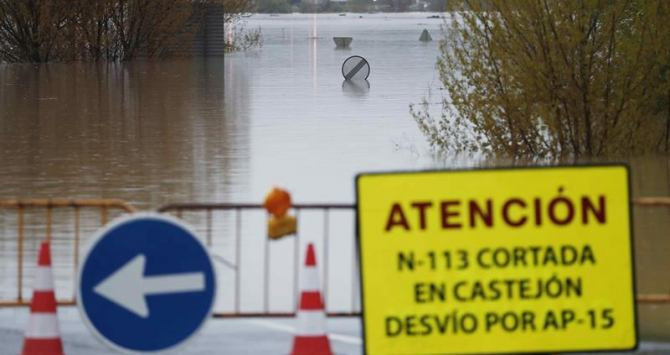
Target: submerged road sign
{"type": "Point", "coordinates": [146, 283]}
{"type": "Point", "coordinates": [496, 261]}
{"type": "Point", "coordinates": [355, 68]}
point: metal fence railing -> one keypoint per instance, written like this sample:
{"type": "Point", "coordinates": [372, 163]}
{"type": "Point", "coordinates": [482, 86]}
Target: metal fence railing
{"type": "Point", "coordinates": [327, 232]}
{"type": "Point", "coordinates": [38, 219]}
{"type": "Point", "coordinates": [261, 276]}
{"type": "Point", "coordinates": [647, 202]}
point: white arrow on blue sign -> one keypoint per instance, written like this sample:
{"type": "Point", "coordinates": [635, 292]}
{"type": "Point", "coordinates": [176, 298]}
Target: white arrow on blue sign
{"type": "Point", "coordinates": [146, 283]}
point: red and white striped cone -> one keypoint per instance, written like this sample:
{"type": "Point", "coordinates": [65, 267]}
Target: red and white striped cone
{"type": "Point", "coordinates": [311, 338]}
{"type": "Point", "coordinates": [42, 336]}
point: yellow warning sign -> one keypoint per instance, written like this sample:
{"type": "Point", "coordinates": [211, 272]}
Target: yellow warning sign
{"type": "Point", "coordinates": [496, 261]}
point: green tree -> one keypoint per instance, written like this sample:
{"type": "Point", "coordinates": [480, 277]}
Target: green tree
{"type": "Point", "coordinates": [395, 5]}
{"type": "Point", "coordinates": [437, 5]}
{"type": "Point", "coordinates": [273, 6]}
{"type": "Point", "coordinates": [554, 79]}
{"type": "Point", "coordinates": [318, 6]}
{"type": "Point", "coordinates": [233, 9]}
{"type": "Point", "coordinates": [359, 5]}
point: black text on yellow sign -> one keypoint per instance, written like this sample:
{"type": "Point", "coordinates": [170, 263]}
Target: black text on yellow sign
{"type": "Point", "coordinates": [496, 261]}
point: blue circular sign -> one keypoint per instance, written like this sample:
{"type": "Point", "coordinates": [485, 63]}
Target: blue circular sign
{"type": "Point", "coordinates": [146, 283]}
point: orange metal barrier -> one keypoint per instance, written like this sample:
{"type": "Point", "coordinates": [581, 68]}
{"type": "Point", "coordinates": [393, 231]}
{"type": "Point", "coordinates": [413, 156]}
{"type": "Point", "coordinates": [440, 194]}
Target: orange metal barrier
{"type": "Point", "coordinates": [652, 202]}
{"type": "Point", "coordinates": [207, 209]}
{"type": "Point", "coordinates": [46, 207]}
{"type": "Point", "coordinates": [238, 209]}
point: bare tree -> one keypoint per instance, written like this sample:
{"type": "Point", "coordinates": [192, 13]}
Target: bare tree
{"type": "Point", "coordinates": [148, 26]}
{"type": "Point", "coordinates": [237, 37]}
{"type": "Point", "coordinates": [64, 30]}
{"type": "Point", "coordinates": [30, 29]}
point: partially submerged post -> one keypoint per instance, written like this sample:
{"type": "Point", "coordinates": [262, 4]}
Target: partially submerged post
{"type": "Point", "coordinates": [342, 42]}
{"type": "Point", "coordinates": [425, 36]}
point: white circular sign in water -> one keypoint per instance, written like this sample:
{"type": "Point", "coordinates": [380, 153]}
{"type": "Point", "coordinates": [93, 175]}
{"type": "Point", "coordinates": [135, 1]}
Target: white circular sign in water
{"type": "Point", "coordinates": [355, 68]}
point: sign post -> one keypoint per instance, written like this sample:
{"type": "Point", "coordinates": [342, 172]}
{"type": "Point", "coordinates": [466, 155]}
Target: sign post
{"type": "Point", "coordinates": [146, 284]}
{"type": "Point", "coordinates": [497, 261]}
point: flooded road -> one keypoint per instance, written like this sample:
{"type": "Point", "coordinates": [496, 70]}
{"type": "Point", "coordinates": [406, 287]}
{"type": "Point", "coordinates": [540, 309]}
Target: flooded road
{"type": "Point", "coordinates": [221, 129]}
{"type": "Point", "coordinates": [227, 129]}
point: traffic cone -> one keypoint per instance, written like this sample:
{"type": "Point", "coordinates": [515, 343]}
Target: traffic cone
{"type": "Point", "coordinates": [42, 336]}
{"type": "Point", "coordinates": [311, 338]}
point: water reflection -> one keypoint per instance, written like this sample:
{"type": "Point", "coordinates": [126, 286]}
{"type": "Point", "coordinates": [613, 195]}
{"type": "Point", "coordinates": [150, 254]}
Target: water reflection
{"type": "Point", "coordinates": [142, 131]}
{"type": "Point", "coordinates": [149, 133]}
{"type": "Point", "coordinates": [356, 88]}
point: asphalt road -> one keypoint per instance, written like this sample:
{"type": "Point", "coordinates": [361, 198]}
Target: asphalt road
{"type": "Point", "coordinates": [221, 336]}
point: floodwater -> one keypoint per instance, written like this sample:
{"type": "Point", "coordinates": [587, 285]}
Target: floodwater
{"type": "Point", "coordinates": [227, 129]}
